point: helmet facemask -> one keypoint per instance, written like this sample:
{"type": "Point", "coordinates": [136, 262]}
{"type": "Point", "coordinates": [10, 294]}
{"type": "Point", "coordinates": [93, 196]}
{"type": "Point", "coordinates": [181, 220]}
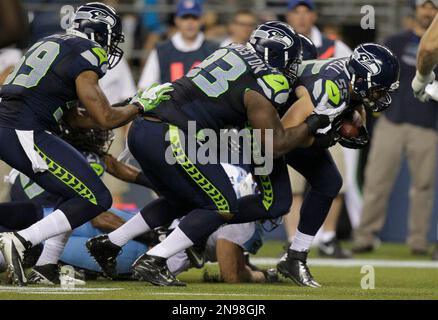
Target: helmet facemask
{"type": "Point", "coordinates": [115, 53]}
{"type": "Point", "coordinates": [110, 43]}
{"type": "Point", "coordinates": [378, 98]}
{"type": "Point", "coordinates": [290, 71]}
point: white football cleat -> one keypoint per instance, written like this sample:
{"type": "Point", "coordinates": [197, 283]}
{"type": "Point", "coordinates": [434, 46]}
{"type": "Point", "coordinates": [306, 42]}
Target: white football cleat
{"type": "Point", "coordinates": [13, 247]}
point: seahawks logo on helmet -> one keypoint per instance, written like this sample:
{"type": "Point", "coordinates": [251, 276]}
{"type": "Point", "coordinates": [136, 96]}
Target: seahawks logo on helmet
{"type": "Point", "coordinates": [368, 60]}
{"type": "Point", "coordinates": [275, 35]}
{"type": "Point", "coordinates": [96, 15]}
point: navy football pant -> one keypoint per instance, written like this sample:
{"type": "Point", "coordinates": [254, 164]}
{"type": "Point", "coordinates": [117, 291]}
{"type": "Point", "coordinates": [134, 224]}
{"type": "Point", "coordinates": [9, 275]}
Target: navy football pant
{"type": "Point", "coordinates": [69, 175]}
{"type": "Point", "coordinates": [201, 192]}
{"type": "Point", "coordinates": [320, 171]}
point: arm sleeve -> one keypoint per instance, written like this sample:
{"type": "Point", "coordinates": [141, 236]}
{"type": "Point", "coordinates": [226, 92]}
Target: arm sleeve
{"type": "Point", "coordinates": [275, 87]}
{"type": "Point", "coordinates": [87, 57]}
{"type": "Point", "coordinates": [151, 71]}
{"type": "Point", "coordinates": [335, 89]}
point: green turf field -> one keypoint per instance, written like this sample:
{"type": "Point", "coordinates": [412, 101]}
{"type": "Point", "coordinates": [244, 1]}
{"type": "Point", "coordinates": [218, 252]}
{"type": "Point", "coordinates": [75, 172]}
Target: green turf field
{"type": "Point", "coordinates": [338, 283]}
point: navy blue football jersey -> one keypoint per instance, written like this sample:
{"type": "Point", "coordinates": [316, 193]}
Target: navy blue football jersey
{"type": "Point", "coordinates": [42, 86]}
{"type": "Point", "coordinates": [324, 77]}
{"type": "Point", "coordinates": [212, 93]}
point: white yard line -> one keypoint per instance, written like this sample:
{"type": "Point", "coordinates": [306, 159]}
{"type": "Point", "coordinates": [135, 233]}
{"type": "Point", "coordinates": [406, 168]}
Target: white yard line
{"type": "Point", "coordinates": [219, 294]}
{"type": "Point", "coordinates": [54, 290]}
{"type": "Point", "coordinates": [357, 263]}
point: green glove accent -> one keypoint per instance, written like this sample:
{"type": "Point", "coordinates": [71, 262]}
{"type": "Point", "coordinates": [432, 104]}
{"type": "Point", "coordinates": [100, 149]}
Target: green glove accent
{"type": "Point", "coordinates": [150, 98]}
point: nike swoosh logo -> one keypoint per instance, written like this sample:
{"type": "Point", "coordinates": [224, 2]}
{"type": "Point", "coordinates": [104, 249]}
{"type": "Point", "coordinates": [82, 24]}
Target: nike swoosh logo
{"type": "Point", "coordinates": [280, 82]}
{"type": "Point", "coordinates": [198, 258]}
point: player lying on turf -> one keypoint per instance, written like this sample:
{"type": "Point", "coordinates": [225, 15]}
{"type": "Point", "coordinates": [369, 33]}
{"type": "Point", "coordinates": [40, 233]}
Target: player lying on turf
{"type": "Point", "coordinates": [427, 60]}
{"type": "Point", "coordinates": [235, 85]}
{"type": "Point", "coordinates": [29, 199]}
{"type": "Point", "coordinates": [365, 79]}
{"type": "Point", "coordinates": [53, 74]}
{"type": "Point", "coordinates": [230, 245]}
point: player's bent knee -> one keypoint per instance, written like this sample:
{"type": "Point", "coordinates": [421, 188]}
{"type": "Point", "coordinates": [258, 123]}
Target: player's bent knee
{"type": "Point", "coordinates": [104, 199]}
{"type": "Point", "coordinates": [281, 206]}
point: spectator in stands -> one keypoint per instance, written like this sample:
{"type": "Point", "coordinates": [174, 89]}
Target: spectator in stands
{"type": "Point", "coordinates": [174, 58]}
{"type": "Point", "coordinates": [240, 27]}
{"type": "Point", "coordinates": [302, 17]}
{"type": "Point", "coordinates": [407, 129]}
{"type": "Point", "coordinates": [152, 26]}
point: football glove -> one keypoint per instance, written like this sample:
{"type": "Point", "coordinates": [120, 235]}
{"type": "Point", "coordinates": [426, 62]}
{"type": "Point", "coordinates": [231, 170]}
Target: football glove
{"type": "Point", "coordinates": [315, 122]}
{"type": "Point", "coordinates": [419, 85]}
{"type": "Point", "coordinates": [150, 98]}
{"type": "Point", "coordinates": [326, 140]}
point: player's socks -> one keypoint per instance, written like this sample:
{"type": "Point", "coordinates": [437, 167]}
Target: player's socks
{"type": "Point", "coordinates": [52, 225]}
{"type": "Point", "coordinates": [327, 236]}
{"type": "Point", "coordinates": [174, 243]}
{"type": "Point", "coordinates": [53, 249]}
{"type": "Point", "coordinates": [195, 227]}
{"type": "Point", "coordinates": [129, 230]}
{"type": "Point", "coordinates": [301, 242]}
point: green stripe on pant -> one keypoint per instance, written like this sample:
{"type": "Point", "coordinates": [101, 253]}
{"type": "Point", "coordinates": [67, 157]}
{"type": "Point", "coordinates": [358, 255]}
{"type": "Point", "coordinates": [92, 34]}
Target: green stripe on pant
{"type": "Point", "coordinates": [215, 195]}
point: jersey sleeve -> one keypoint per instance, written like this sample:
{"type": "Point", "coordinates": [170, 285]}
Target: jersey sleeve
{"type": "Point", "coordinates": [332, 92]}
{"type": "Point", "coordinates": [87, 56]}
{"type": "Point", "coordinates": [275, 87]}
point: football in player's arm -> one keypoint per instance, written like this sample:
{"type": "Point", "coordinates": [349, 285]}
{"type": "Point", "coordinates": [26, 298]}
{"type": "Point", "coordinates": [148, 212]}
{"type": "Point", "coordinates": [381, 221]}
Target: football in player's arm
{"type": "Point", "coordinates": [305, 105]}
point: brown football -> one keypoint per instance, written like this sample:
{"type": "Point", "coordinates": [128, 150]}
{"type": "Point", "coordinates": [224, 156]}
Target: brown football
{"type": "Point", "coordinates": [349, 130]}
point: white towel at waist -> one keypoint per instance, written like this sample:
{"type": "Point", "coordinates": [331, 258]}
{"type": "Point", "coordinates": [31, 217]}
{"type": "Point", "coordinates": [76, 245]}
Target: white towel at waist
{"type": "Point", "coordinates": [26, 141]}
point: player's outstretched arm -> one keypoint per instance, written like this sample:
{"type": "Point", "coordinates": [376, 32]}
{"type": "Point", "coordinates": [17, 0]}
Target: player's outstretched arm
{"type": "Point", "coordinates": [102, 114]}
{"type": "Point", "coordinates": [107, 222]}
{"type": "Point", "coordinates": [232, 266]}
{"type": "Point", "coordinates": [428, 50]}
{"type": "Point", "coordinates": [427, 60]}
{"type": "Point", "coordinates": [263, 115]}
{"type": "Point", "coordinates": [126, 172]}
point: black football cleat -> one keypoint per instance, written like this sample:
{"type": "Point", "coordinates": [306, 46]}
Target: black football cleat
{"type": "Point", "coordinates": [154, 270]}
{"type": "Point", "coordinates": [13, 246]}
{"type": "Point", "coordinates": [105, 253]}
{"type": "Point", "coordinates": [32, 255]}
{"type": "Point", "coordinates": [294, 266]}
{"type": "Point", "coordinates": [333, 249]}
{"type": "Point", "coordinates": [196, 255]}
{"type": "Point", "coordinates": [47, 274]}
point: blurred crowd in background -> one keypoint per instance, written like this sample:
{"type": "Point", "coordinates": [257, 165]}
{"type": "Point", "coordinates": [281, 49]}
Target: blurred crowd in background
{"type": "Point", "coordinates": [165, 38]}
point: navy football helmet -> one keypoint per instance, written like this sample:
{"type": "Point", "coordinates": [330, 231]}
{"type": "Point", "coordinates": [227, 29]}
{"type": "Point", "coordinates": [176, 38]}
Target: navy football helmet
{"type": "Point", "coordinates": [101, 23]}
{"type": "Point", "coordinates": [279, 46]}
{"type": "Point", "coordinates": [375, 73]}
{"type": "Point", "coordinates": [309, 49]}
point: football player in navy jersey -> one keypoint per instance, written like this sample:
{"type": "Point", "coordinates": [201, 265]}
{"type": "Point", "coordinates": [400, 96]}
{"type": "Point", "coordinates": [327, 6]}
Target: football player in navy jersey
{"type": "Point", "coordinates": [366, 79]}
{"type": "Point", "coordinates": [44, 87]}
{"type": "Point", "coordinates": [235, 86]}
